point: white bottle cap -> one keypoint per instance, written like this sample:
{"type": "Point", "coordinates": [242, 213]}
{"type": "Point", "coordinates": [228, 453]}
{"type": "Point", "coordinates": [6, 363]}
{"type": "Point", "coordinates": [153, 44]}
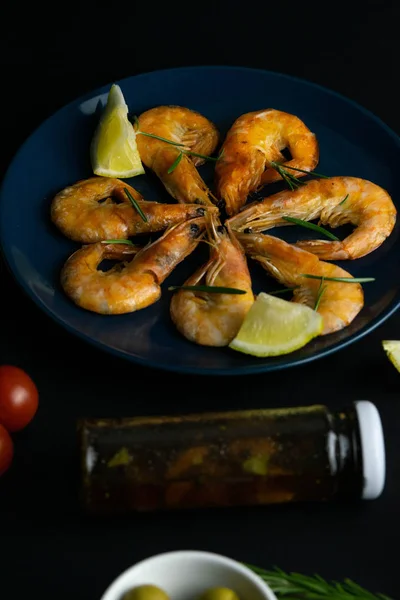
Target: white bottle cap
{"type": "Point", "coordinates": [372, 449]}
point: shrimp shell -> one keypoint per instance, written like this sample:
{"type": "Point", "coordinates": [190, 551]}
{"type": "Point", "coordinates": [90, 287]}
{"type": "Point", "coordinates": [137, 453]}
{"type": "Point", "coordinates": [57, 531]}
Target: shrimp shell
{"type": "Point", "coordinates": [85, 212]}
{"type": "Point", "coordinates": [252, 143]}
{"type": "Point", "coordinates": [213, 319]}
{"type": "Point", "coordinates": [133, 285]}
{"type": "Point", "coordinates": [339, 303]}
{"type": "Point", "coordinates": [182, 126]}
{"type": "Point", "coordinates": [335, 201]}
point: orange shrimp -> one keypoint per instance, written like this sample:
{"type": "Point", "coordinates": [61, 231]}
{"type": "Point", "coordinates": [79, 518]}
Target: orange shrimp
{"type": "Point", "coordinates": [254, 141]}
{"type": "Point", "coordinates": [209, 318]}
{"type": "Point", "coordinates": [191, 131]}
{"type": "Point", "coordinates": [134, 285]}
{"type": "Point", "coordinates": [98, 209]}
{"type": "Point", "coordinates": [338, 303]}
{"type": "Point", "coordinates": [335, 201]}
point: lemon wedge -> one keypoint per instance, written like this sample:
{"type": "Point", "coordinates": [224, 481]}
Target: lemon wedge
{"type": "Point", "coordinates": [392, 349]}
{"type": "Point", "coordinates": [274, 326]}
{"type": "Point", "coordinates": [113, 151]}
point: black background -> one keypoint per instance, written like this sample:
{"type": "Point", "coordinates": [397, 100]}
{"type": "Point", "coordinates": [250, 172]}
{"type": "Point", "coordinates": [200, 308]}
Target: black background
{"type": "Point", "coordinates": [49, 56]}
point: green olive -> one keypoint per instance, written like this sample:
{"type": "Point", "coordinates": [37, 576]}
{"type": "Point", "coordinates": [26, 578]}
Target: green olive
{"type": "Point", "coordinates": [219, 593]}
{"type": "Point", "coordinates": [146, 592]}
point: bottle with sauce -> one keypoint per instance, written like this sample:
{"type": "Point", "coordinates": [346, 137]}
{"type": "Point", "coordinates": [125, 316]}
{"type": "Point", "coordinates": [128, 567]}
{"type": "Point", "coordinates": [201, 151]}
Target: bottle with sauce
{"type": "Point", "coordinates": [250, 457]}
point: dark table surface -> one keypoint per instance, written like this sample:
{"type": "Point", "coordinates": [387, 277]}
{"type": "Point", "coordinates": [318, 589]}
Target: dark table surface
{"type": "Point", "coordinates": [48, 547]}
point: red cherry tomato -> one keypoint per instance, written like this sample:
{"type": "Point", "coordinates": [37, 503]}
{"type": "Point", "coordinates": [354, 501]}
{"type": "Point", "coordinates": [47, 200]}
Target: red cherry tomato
{"type": "Point", "coordinates": [18, 398]}
{"type": "Point", "coordinates": [6, 450]}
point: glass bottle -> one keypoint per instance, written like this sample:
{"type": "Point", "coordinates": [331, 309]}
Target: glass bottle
{"type": "Point", "coordinates": [247, 457]}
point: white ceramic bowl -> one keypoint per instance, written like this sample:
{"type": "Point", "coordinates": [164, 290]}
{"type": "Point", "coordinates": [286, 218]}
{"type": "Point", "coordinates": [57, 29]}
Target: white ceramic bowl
{"type": "Point", "coordinates": [186, 574]}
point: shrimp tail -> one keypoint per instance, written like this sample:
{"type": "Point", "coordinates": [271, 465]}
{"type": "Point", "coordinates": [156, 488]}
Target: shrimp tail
{"type": "Point", "coordinates": [324, 249]}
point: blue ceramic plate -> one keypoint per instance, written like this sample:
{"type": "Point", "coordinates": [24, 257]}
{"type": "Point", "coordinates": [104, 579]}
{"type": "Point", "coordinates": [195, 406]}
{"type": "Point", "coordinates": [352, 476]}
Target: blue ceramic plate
{"type": "Point", "coordinates": [352, 142]}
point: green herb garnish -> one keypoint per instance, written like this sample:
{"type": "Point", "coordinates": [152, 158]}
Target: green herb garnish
{"type": "Point", "coordinates": [344, 200]}
{"type": "Point", "coordinates": [207, 288]}
{"type": "Point", "coordinates": [202, 155]}
{"type": "Point", "coordinates": [135, 205]}
{"type": "Point", "coordinates": [158, 137]}
{"type": "Point", "coordinates": [303, 171]}
{"type": "Point", "coordinates": [292, 181]}
{"type": "Point", "coordinates": [342, 279]}
{"type": "Point", "coordinates": [118, 242]}
{"type": "Point", "coordinates": [320, 293]}
{"type": "Point", "coordinates": [292, 586]}
{"type": "Point", "coordinates": [175, 163]}
{"type": "Point", "coordinates": [311, 226]}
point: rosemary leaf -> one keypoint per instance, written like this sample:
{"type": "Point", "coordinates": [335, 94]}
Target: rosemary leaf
{"type": "Point", "coordinates": [118, 242]}
{"type": "Point", "coordinates": [303, 171]}
{"type": "Point", "coordinates": [311, 226]}
{"type": "Point", "coordinates": [153, 135]}
{"type": "Point", "coordinates": [321, 292]}
{"type": "Point", "coordinates": [158, 137]}
{"type": "Point", "coordinates": [207, 288]}
{"type": "Point", "coordinates": [202, 155]}
{"type": "Point", "coordinates": [344, 200]}
{"type": "Point", "coordinates": [135, 205]}
{"type": "Point", "coordinates": [285, 178]}
{"type": "Point", "coordinates": [342, 279]}
{"type": "Point", "coordinates": [292, 181]}
{"type": "Point", "coordinates": [175, 163]}
{"type": "Point", "coordinates": [291, 586]}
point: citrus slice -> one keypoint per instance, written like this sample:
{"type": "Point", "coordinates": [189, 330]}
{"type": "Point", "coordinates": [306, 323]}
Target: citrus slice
{"type": "Point", "coordinates": [113, 151]}
{"type": "Point", "coordinates": [392, 349]}
{"type": "Point", "coordinates": [274, 326]}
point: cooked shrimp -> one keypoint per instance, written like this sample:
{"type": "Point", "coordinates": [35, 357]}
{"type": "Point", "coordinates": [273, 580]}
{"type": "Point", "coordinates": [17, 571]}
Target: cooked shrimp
{"type": "Point", "coordinates": [182, 126]}
{"type": "Point", "coordinates": [339, 303]}
{"type": "Point", "coordinates": [134, 285]}
{"type": "Point", "coordinates": [252, 143]}
{"type": "Point", "coordinates": [86, 212]}
{"type": "Point", "coordinates": [334, 201]}
{"type": "Point", "coordinates": [213, 319]}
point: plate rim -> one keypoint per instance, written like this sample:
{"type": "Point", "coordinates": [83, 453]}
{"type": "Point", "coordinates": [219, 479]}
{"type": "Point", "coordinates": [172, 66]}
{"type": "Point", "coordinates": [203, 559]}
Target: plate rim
{"type": "Point", "coordinates": [253, 369]}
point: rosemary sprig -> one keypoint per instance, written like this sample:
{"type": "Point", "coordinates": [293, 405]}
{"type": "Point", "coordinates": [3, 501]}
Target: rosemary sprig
{"type": "Point", "coordinates": [215, 158]}
{"type": "Point", "coordinates": [312, 226]}
{"type": "Point", "coordinates": [129, 242]}
{"type": "Point", "coordinates": [158, 137]}
{"type": "Point", "coordinates": [344, 200]}
{"type": "Point", "coordinates": [292, 586]}
{"type": "Point", "coordinates": [175, 163]}
{"type": "Point", "coordinates": [292, 181]}
{"type": "Point", "coordinates": [135, 205]}
{"type": "Point", "coordinates": [303, 171]}
{"type": "Point", "coordinates": [320, 293]}
{"type": "Point", "coordinates": [342, 279]}
{"type": "Point", "coordinates": [207, 288]}
{"type": "Point", "coordinates": [190, 153]}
